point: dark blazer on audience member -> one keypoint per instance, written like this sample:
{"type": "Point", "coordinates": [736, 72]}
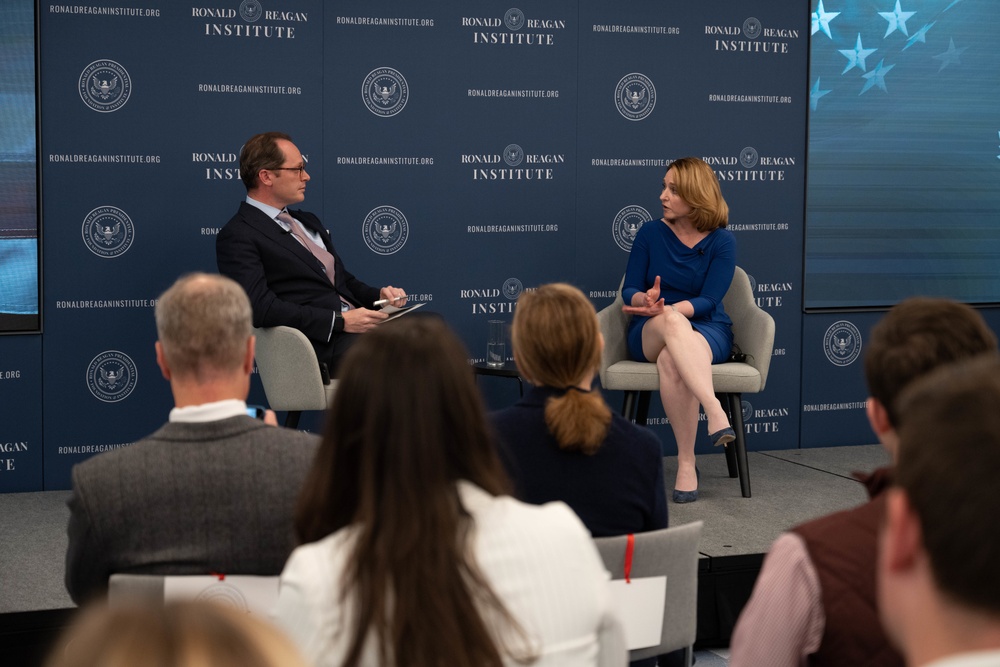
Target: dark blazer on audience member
{"type": "Point", "coordinates": [189, 499]}
{"type": "Point", "coordinates": [616, 491]}
{"type": "Point", "coordinates": [285, 282]}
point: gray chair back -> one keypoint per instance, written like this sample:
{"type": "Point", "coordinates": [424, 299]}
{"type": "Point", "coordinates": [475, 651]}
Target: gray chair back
{"type": "Point", "coordinates": [290, 372]}
{"type": "Point", "coordinates": [234, 591]}
{"type": "Point", "coordinates": [672, 552]}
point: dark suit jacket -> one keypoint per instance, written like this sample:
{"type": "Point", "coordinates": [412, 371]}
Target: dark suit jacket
{"type": "Point", "coordinates": [188, 499]}
{"type": "Point", "coordinates": [615, 491]}
{"type": "Point", "coordinates": [285, 282]}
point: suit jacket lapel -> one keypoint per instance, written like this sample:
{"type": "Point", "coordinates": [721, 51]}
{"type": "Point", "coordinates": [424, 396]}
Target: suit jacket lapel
{"type": "Point", "coordinates": [269, 228]}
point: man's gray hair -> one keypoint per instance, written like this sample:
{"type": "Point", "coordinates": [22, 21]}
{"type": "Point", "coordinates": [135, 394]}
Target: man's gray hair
{"type": "Point", "coordinates": [203, 322]}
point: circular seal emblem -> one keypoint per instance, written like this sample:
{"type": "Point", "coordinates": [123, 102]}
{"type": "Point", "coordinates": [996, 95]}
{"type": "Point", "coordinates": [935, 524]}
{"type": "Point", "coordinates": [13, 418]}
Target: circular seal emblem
{"type": "Point", "coordinates": [250, 10]}
{"type": "Point", "coordinates": [753, 283]}
{"type": "Point", "coordinates": [512, 288]}
{"type": "Point", "coordinates": [635, 96]}
{"type": "Point", "coordinates": [514, 19]}
{"type": "Point", "coordinates": [751, 28]}
{"type": "Point", "coordinates": [385, 91]}
{"type": "Point", "coordinates": [626, 225]}
{"type": "Point", "coordinates": [842, 343]}
{"type": "Point", "coordinates": [513, 155]}
{"type": "Point", "coordinates": [105, 86]}
{"type": "Point", "coordinates": [111, 376]}
{"type": "Point", "coordinates": [747, 410]}
{"type": "Point", "coordinates": [748, 157]}
{"type": "Point", "coordinates": [108, 231]}
{"type": "Point", "coordinates": [385, 230]}
{"type": "Point", "coordinates": [224, 594]}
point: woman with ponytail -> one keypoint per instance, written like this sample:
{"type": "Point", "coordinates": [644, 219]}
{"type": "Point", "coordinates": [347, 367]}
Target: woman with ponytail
{"type": "Point", "coordinates": [561, 441]}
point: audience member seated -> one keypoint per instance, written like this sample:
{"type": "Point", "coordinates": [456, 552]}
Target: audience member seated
{"type": "Point", "coordinates": [561, 441]}
{"type": "Point", "coordinates": [213, 490]}
{"type": "Point", "coordinates": [814, 600]}
{"type": "Point", "coordinates": [178, 634]}
{"type": "Point", "coordinates": [938, 591]}
{"type": "Point", "coordinates": [415, 555]}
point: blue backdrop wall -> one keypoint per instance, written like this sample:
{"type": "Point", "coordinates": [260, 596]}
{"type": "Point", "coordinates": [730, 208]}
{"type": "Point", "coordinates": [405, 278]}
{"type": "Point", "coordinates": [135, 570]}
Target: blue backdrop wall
{"type": "Point", "coordinates": [510, 146]}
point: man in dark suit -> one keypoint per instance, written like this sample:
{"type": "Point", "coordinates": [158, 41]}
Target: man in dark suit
{"type": "Point", "coordinates": [214, 489]}
{"type": "Point", "coordinates": [285, 259]}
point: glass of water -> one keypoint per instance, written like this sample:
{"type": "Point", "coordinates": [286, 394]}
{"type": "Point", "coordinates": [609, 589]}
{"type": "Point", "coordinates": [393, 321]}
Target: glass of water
{"type": "Point", "coordinates": [496, 346]}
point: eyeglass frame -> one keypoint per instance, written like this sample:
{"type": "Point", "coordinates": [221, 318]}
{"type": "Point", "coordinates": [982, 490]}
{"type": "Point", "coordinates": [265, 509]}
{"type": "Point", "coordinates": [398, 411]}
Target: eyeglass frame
{"type": "Point", "coordinates": [301, 168]}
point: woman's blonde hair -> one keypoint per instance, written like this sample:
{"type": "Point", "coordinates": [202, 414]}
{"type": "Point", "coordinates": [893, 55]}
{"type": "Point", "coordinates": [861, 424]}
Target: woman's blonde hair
{"type": "Point", "coordinates": [698, 185]}
{"type": "Point", "coordinates": [175, 634]}
{"type": "Point", "coordinates": [557, 342]}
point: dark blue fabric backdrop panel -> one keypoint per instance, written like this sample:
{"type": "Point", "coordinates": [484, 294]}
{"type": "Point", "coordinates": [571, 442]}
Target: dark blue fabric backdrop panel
{"type": "Point", "coordinates": [722, 95]}
{"type": "Point", "coordinates": [158, 128]}
{"type": "Point", "coordinates": [834, 390]}
{"type": "Point", "coordinates": [477, 217]}
{"type": "Point", "coordinates": [464, 151]}
{"type": "Point", "coordinates": [21, 450]}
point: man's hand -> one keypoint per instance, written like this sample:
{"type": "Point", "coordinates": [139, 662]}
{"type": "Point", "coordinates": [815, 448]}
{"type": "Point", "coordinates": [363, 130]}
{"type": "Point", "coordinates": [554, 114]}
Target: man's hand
{"type": "Point", "coordinates": [270, 418]}
{"type": "Point", "coordinates": [396, 296]}
{"type": "Point", "coordinates": [360, 320]}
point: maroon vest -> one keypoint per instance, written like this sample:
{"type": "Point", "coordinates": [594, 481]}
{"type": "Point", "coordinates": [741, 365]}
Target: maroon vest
{"type": "Point", "coordinates": [843, 548]}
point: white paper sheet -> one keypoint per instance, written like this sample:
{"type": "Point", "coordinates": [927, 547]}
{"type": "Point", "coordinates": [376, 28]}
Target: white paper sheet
{"type": "Point", "coordinates": [639, 606]}
{"type": "Point", "coordinates": [254, 595]}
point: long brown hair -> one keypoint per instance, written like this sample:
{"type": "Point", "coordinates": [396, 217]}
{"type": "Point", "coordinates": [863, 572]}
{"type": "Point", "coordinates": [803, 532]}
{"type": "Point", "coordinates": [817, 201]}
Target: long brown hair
{"type": "Point", "coordinates": [557, 342]}
{"type": "Point", "coordinates": [406, 426]}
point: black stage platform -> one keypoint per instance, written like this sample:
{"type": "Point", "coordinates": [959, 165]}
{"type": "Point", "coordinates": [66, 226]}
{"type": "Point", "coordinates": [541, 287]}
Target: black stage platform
{"type": "Point", "coordinates": [788, 486]}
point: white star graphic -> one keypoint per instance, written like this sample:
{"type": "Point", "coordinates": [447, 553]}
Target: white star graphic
{"type": "Point", "coordinates": [919, 36]}
{"type": "Point", "coordinates": [821, 20]}
{"type": "Point", "coordinates": [951, 55]}
{"type": "Point", "coordinates": [856, 56]}
{"type": "Point", "coordinates": [876, 77]}
{"type": "Point", "coordinates": [814, 94]}
{"type": "Point", "coordinates": [897, 20]}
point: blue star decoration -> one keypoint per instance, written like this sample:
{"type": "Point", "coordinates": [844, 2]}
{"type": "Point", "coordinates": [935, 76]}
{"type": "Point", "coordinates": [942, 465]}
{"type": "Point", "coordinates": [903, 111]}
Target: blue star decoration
{"type": "Point", "coordinates": [821, 20]}
{"type": "Point", "coordinates": [951, 55]}
{"type": "Point", "coordinates": [876, 77]}
{"type": "Point", "coordinates": [815, 93]}
{"type": "Point", "coordinates": [856, 56]}
{"type": "Point", "coordinates": [919, 36]}
{"type": "Point", "coordinates": [897, 20]}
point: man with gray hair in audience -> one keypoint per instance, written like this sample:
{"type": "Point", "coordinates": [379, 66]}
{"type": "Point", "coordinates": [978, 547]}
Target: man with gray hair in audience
{"type": "Point", "coordinates": [213, 490]}
{"type": "Point", "coordinates": [938, 591]}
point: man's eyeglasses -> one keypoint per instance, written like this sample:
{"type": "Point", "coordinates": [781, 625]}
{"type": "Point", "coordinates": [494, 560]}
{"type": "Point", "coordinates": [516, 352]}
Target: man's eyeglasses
{"type": "Point", "coordinates": [301, 168]}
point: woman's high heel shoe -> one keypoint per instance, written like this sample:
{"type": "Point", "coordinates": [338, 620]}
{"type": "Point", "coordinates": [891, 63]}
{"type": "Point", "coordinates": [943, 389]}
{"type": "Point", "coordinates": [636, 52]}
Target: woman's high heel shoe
{"type": "Point", "coordinates": [681, 497]}
{"type": "Point", "coordinates": [723, 436]}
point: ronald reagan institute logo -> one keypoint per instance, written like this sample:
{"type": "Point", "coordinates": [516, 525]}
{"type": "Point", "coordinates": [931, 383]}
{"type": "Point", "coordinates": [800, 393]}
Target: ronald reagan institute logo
{"type": "Point", "coordinates": [635, 96]}
{"type": "Point", "coordinates": [111, 376]}
{"type": "Point", "coordinates": [385, 91]}
{"type": "Point", "coordinates": [105, 86]}
{"type": "Point", "coordinates": [385, 230]}
{"type": "Point", "coordinates": [842, 343]}
{"type": "Point", "coordinates": [626, 225]}
{"type": "Point", "coordinates": [108, 231]}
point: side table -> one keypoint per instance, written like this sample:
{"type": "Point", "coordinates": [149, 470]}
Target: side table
{"type": "Point", "coordinates": [508, 370]}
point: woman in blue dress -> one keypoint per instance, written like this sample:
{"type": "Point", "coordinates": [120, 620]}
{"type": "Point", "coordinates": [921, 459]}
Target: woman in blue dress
{"type": "Point", "coordinates": [679, 269]}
